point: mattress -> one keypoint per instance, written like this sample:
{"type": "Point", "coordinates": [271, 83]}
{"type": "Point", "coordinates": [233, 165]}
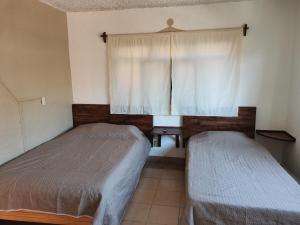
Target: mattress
{"type": "Point", "coordinates": [91, 171]}
{"type": "Point", "coordinates": [232, 180]}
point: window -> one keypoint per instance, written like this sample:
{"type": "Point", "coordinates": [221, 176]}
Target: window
{"type": "Point", "coordinates": [204, 73]}
{"type": "Point", "coordinates": [139, 68]}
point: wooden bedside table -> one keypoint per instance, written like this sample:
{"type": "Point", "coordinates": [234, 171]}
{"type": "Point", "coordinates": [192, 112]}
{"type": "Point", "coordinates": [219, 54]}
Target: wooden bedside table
{"type": "Point", "coordinates": [159, 131]}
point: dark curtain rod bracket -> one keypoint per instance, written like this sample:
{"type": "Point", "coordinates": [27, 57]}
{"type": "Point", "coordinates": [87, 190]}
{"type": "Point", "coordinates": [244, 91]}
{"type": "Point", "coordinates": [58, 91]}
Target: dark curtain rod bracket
{"type": "Point", "coordinates": [104, 36]}
{"type": "Point", "coordinates": [245, 30]}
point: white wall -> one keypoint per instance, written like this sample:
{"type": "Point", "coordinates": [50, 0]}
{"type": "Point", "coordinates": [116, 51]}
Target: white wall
{"type": "Point", "coordinates": [292, 154]}
{"type": "Point", "coordinates": [266, 59]}
{"type": "Point", "coordinates": [34, 62]}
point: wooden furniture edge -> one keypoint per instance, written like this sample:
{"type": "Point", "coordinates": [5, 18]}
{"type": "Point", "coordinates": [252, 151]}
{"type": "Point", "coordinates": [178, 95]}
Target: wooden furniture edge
{"type": "Point", "coordinates": [264, 134]}
{"type": "Point", "coordinates": [42, 217]}
{"type": "Point", "coordinates": [160, 131]}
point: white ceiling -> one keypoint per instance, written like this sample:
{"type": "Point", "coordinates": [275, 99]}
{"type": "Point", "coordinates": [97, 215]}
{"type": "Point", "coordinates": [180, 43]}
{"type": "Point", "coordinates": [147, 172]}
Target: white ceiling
{"type": "Point", "coordinates": [101, 5]}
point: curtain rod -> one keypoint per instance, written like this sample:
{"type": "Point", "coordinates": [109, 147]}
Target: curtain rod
{"type": "Point", "coordinates": [172, 29]}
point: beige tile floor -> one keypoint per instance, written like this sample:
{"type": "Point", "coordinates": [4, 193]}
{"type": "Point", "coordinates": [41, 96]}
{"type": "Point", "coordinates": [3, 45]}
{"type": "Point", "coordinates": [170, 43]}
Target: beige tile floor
{"type": "Point", "coordinates": [158, 199]}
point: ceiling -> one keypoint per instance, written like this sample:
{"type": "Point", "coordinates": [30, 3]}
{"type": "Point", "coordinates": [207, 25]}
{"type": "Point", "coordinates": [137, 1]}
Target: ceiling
{"type": "Point", "coordinates": [101, 5]}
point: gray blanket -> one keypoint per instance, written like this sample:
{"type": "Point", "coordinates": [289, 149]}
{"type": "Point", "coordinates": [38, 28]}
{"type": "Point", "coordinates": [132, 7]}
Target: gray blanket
{"type": "Point", "coordinates": [91, 170]}
{"type": "Point", "coordinates": [232, 180]}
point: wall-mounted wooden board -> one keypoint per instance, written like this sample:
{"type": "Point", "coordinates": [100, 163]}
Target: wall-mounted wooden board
{"type": "Point", "coordinates": [89, 113]}
{"type": "Point", "coordinates": [245, 122]}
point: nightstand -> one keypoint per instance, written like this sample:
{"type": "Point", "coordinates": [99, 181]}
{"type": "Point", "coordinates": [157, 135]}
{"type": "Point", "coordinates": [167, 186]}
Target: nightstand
{"type": "Point", "coordinates": [159, 131]}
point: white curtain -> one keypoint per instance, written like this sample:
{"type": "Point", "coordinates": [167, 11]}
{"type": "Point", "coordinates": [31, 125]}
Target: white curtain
{"type": "Point", "coordinates": [205, 72]}
{"type": "Point", "coordinates": [139, 70]}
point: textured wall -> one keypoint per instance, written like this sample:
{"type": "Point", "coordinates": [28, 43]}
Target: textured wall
{"type": "Point", "coordinates": [100, 5]}
{"type": "Point", "coordinates": [34, 62]}
{"type": "Point", "coordinates": [266, 59]}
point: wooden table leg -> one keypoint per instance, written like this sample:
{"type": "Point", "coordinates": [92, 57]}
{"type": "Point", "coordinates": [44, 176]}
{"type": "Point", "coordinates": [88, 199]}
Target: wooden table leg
{"type": "Point", "coordinates": [177, 141]}
{"type": "Point", "coordinates": [159, 140]}
{"type": "Point", "coordinates": [151, 137]}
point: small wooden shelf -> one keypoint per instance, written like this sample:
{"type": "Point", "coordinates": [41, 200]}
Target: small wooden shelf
{"type": "Point", "coordinates": [279, 135]}
{"type": "Point", "coordinates": [160, 131]}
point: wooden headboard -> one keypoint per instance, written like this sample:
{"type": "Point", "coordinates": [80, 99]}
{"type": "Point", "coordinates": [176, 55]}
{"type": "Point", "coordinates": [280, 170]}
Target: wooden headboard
{"type": "Point", "coordinates": [89, 113]}
{"type": "Point", "coordinates": [245, 122]}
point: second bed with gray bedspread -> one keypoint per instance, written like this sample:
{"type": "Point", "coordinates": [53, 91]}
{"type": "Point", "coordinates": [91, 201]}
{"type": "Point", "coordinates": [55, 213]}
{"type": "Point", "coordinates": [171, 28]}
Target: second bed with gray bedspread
{"type": "Point", "coordinates": [91, 170]}
{"type": "Point", "coordinates": [232, 180]}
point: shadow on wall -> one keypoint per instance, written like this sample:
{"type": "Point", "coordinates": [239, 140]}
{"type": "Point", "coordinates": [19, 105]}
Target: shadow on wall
{"type": "Point", "coordinates": [13, 128]}
{"type": "Point", "coordinates": [11, 142]}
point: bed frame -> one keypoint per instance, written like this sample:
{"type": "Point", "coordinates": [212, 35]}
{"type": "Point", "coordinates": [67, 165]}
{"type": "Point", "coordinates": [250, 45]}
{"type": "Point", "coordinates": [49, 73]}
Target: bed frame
{"type": "Point", "coordinates": [41, 217]}
{"type": "Point", "coordinates": [245, 122]}
{"type": "Point", "coordinates": [82, 114]}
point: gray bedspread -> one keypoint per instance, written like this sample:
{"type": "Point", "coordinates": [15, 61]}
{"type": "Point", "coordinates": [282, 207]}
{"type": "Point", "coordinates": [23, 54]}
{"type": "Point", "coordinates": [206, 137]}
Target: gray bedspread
{"type": "Point", "coordinates": [232, 180]}
{"type": "Point", "coordinates": [91, 170]}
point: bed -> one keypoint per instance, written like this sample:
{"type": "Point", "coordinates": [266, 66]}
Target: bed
{"type": "Point", "coordinates": [231, 179]}
{"type": "Point", "coordinates": [80, 177]}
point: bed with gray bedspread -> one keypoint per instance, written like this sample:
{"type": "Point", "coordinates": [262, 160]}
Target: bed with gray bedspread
{"type": "Point", "coordinates": [232, 180]}
{"type": "Point", "coordinates": [91, 170]}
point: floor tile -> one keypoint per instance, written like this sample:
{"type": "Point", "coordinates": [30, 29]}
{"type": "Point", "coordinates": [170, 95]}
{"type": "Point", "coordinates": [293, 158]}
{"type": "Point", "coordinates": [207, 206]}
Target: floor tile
{"type": "Point", "coordinates": [157, 165]}
{"type": "Point", "coordinates": [182, 218]}
{"type": "Point", "coordinates": [159, 198]}
{"type": "Point", "coordinates": [171, 185]}
{"type": "Point", "coordinates": [152, 173]}
{"type": "Point", "coordinates": [164, 215]}
{"type": "Point", "coordinates": [183, 198]}
{"type": "Point", "coordinates": [168, 198]}
{"type": "Point", "coordinates": [127, 222]}
{"type": "Point", "coordinates": [137, 212]}
{"type": "Point", "coordinates": [173, 174]}
{"type": "Point", "coordinates": [143, 196]}
{"type": "Point", "coordinates": [175, 164]}
{"type": "Point", "coordinates": [148, 184]}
